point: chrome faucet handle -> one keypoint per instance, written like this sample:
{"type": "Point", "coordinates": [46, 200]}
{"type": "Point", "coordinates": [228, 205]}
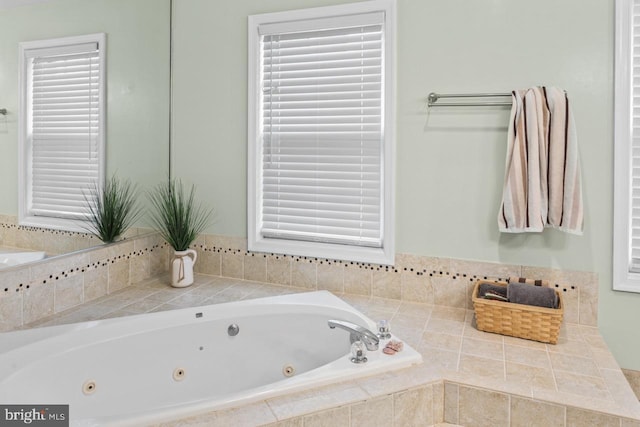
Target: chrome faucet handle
{"type": "Point", "coordinates": [358, 352]}
{"type": "Point", "coordinates": [384, 329]}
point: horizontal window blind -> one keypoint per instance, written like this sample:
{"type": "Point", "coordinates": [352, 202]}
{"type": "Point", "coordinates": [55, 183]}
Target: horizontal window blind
{"type": "Point", "coordinates": [64, 132]}
{"type": "Point", "coordinates": [322, 132]}
{"type": "Point", "coordinates": [635, 143]}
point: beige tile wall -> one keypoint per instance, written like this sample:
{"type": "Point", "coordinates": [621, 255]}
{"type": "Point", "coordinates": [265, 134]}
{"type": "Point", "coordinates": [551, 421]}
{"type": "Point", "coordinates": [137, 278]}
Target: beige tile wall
{"type": "Point", "coordinates": [439, 281]}
{"type": "Point", "coordinates": [431, 404]}
{"type": "Point", "coordinates": [418, 406]}
{"type": "Point", "coordinates": [29, 294]}
{"type": "Point", "coordinates": [33, 292]}
{"type": "Point", "coordinates": [470, 406]}
{"type": "Point", "coordinates": [633, 377]}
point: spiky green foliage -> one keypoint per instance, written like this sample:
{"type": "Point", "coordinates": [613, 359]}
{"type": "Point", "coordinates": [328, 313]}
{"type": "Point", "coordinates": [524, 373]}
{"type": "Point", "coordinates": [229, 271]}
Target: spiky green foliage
{"type": "Point", "coordinates": [111, 211]}
{"type": "Point", "coordinates": [176, 216]}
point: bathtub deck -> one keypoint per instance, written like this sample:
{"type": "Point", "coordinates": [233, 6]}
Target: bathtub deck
{"type": "Point", "coordinates": [579, 372]}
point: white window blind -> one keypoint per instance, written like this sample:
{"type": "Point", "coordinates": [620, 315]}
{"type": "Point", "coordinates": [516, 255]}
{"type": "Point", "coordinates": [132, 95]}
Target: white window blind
{"type": "Point", "coordinates": [322, 130]}
{"type": "Point", "coordinates": [64, 127]}
{"type": "Point", "coordinates": [635, 141]}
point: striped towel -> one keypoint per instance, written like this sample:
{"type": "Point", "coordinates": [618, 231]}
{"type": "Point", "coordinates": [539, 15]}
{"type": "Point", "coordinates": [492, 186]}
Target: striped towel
{"type": "Point", "coordinates": [542, 185]}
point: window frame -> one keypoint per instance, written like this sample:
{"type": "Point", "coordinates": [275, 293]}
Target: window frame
{"type": "Point", "coordinates": [256, 242]}
{"type": "Point", "coordinates": [25, 216]}
{"type": "Point", "coordinates": [623, 278]}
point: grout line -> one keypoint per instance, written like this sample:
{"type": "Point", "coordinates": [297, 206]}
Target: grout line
{"type": "Point", "coordinates": [553, 370]}
{"type": "Point", "coordinates": [457, 403]}
{"type": "Point", "coordinates": [464, 326]}
{"type": "Point", "coordinates": [393, 408]}
{"type": "Point", "coordinates": [504, 360]}
{"type": "Point", "coordinates": [266, 402]}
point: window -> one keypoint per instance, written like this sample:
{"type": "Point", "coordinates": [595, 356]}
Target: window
{"type": "Point", "coordinates": [626, 231]}
{"type": "Point", "coordinates": [61, 140]}
{"type": "Point", "coordinates": [321, 132]}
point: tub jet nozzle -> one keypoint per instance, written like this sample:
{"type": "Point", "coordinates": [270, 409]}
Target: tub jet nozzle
{"type": "Point", "coordinates": [233, 330]}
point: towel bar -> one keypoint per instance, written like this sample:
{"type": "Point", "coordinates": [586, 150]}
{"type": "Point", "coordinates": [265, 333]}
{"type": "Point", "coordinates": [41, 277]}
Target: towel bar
{"type": "Point", "coordinates": [432, 100]}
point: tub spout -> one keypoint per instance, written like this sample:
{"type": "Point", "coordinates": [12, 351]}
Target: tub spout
{"type": "Point", "coordinates": [358, 333]}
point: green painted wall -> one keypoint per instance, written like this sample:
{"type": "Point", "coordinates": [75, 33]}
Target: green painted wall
{"type": "Point", "coordinates": [137, 81]}
{"type": "Point", "coordinates": [450, 163]}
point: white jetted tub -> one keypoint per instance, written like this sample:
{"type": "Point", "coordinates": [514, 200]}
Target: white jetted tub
{"type": "Point", "coordinates": [160, 366]}
{"type": "Point", "coordinates": [9, 258]}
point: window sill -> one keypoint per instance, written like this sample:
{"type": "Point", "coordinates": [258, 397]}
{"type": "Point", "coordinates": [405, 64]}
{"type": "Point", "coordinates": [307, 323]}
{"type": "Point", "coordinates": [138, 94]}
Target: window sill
{"type": "Point", "coordinates": [382, 256]}
{"type": "Point", "coordinates": [626, 281]}
{"type": "Point", "coordinates": [72, 225]}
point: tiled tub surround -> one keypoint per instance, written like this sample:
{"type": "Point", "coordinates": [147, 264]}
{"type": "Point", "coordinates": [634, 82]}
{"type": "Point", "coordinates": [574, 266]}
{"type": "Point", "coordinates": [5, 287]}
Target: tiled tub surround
{"type": "Point", "coordinates": [468, 377]}
{"type": "Point", "coordinates": [27, 294]}
{"type": "Point", "coordinates": [438, 281]}
{"type": "Point", "coordinates": [428, 300]}
{"type": "Point", "coordinates": [51, 241]}
{"type": "Point", "coordinates": [34, 291]}
{"type": "Point", "coordinates": [221, 371]}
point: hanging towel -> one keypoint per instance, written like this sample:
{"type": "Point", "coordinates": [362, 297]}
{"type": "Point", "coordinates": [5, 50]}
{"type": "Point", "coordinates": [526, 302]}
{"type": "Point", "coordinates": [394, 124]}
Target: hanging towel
{"type": "Point", "coordinates": [542, 176]}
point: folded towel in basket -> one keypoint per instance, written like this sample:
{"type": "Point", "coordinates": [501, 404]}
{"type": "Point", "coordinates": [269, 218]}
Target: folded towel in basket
{"type": "Point", "coordinates": [491, 291]}
{"type": "Point", "coordinates": [521, 293]}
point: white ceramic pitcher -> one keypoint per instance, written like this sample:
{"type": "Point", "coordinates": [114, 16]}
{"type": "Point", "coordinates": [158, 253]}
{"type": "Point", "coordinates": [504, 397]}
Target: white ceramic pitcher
{"type": "Point", "coordinates": [182, 268]}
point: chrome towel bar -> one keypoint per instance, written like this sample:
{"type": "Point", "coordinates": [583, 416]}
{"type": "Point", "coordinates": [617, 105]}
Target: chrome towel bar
{"type": "Point", "coordinates": [432, 100]}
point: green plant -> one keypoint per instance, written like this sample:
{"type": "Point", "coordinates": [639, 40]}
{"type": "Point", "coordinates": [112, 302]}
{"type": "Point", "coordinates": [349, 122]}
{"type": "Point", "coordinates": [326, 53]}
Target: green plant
{"type": "Point", "coordinates": [175, 214]}
{"type": "Point", "coordinates": [112, 210]}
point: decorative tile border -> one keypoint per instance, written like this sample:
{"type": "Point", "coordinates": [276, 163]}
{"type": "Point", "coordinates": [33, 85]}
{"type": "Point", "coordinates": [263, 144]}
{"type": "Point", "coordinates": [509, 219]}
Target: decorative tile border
{"type": "Point", "coordinates": [53, 242]}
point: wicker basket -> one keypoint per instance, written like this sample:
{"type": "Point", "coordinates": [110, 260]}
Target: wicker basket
{"type": "Point", "coordinates": [517, 320]}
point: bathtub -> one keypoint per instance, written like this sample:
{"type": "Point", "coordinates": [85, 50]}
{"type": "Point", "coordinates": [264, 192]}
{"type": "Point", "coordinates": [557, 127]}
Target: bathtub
{"type": "Point", "coordinates": [11, 258]}
{"type": "Point", "coordinates": [161, 366]}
